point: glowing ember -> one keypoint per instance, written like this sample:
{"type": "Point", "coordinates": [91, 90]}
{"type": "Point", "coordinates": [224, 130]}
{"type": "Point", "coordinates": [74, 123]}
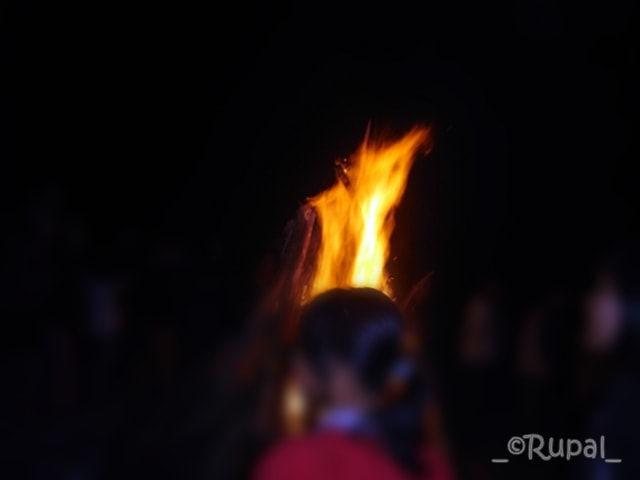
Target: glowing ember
{"type": "Point", "coordinates": [356, 214]}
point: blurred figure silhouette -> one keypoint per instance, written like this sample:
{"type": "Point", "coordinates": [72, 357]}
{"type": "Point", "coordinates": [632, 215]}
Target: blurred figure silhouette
{"type": "Point", "coordinates": [541, 393]}
{"type": "Point", "coordinates": [609, 372]}
{"type": "Point", "coordinates": [363, 393]}
{"type": "Point", "coordinates": [478, 348]}
{"type": "Point", "coordinates": [477, 396]}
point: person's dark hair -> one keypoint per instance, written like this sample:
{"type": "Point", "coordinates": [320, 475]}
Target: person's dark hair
{"type": "Point", "coordinates": [364, 328]}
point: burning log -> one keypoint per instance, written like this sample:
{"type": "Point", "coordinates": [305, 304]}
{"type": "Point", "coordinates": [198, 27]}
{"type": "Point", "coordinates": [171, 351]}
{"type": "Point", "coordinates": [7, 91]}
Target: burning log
{"type": "Point", "coordinates": [299, 254]}
{"type": "Point", "coordinates": [274, 317]}
{"type": "Point", "coordinates": [272, 327]}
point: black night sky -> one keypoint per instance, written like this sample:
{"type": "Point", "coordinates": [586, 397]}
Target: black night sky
{"type": "Point", "coordinates": [212, 125]}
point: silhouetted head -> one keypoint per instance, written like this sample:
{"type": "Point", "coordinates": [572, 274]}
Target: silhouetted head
{"type": "Point", "coordinates": [351, 355]}
{"type": "Point", "coordinates": [350, 340]}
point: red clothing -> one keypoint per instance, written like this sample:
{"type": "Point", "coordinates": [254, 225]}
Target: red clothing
{"type": "Point", "coordinates": [333, 455]}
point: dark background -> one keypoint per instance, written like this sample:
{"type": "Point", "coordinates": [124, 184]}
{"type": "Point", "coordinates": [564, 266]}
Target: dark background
{"type": "Point", "coordinates": [210, 125]}
{"type": "Point", "coordinates": [166, 146]}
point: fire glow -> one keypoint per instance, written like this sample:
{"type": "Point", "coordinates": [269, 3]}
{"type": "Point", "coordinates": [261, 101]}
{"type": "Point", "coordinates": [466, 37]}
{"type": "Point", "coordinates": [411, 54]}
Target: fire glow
{"type": "Point", "coordinates": [356, 214]}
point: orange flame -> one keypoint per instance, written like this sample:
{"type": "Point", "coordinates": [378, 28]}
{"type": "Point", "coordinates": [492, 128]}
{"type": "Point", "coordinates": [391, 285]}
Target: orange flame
{"type": "Point", "coordinates": [357, 214]}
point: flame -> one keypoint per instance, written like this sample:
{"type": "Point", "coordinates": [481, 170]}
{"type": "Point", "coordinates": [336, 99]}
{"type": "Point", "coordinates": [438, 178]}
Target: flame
{"type": "Point", "coordinates": [357, 214]}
